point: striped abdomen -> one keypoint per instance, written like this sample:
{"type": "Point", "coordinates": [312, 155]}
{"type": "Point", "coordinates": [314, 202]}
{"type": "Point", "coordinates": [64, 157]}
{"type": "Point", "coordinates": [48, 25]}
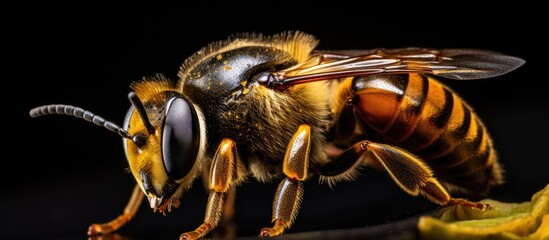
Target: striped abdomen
{"type": "Point", "coordinates": [421, 115]}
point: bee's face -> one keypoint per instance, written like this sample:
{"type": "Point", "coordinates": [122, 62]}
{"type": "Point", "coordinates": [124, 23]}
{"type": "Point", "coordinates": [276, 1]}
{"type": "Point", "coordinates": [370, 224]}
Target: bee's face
{"type": "Point", "coordinates": [163, 152]}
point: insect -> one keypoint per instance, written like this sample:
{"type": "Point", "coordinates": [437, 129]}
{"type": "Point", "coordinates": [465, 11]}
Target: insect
{"type": "Point", "coordinates": [274, 108]}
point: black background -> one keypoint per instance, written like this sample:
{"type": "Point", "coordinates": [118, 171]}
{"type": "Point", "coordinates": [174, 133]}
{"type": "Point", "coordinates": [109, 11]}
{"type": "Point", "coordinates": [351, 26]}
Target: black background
{"type": "Point", "coordinates": [61, 174]}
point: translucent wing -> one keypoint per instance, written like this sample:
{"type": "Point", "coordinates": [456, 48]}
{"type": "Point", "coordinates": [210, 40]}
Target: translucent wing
{"type": "Point", "coordinates": [460, 64]}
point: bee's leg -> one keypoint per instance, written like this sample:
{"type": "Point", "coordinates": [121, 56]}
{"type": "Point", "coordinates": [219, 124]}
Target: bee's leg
{"type": "Point", "coordinates": [290, 190]}
{"type": "Point", "coordinates": [129, 212]}
{"type": "Point", "coordinates": [226, 227]}
{"type": "Point", "coordinates": [226, 170]}
{"type": "Point", "coordinates": [407, 170]}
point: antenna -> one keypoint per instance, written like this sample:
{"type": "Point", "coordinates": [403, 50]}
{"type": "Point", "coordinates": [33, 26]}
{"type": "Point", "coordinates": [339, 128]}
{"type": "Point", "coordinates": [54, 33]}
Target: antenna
{"type": "Point", "coordinates": [79, 113]}
{"type": "Point", "coordinates": [141, 111]}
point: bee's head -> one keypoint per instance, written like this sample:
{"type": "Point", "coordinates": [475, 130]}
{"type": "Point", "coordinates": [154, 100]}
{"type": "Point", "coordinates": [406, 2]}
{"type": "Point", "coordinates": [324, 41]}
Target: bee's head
{"type": "Point", "coordinates": [167, 141]}
{"type": "Point", "coordinates": [163, 135]}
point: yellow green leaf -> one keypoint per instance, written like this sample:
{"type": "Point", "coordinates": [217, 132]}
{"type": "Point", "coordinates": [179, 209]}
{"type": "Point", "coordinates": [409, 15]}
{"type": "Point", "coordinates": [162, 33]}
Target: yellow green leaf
{"type": "Point", "coordinates": [527, 220]}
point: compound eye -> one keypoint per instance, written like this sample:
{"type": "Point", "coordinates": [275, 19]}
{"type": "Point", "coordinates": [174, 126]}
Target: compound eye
{"type": "Point", "coordinates": [180, 137]}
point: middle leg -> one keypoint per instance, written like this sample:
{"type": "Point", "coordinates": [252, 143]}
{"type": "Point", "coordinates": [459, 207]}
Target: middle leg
{"type": "Point", "coordinates": [290, 190]}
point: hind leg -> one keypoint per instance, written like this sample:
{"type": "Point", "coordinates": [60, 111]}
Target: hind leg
{"type": "Point", "coordinates": [407, 170]}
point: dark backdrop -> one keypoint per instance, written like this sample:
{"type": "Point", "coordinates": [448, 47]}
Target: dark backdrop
{"type": "Point", "coordinates": [60, 174]}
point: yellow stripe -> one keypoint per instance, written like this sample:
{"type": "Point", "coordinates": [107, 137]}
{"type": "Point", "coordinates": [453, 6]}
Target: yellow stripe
{"type": "Point", "coordinates": [426, 132]}
{"type": "Point", "coordinates": [456, 117]}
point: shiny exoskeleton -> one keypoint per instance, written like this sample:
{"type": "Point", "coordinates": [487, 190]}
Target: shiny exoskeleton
{"type": "Point", "coordinates": [272, 107]}
{"type": "Point", "coordinates": [419, 114]}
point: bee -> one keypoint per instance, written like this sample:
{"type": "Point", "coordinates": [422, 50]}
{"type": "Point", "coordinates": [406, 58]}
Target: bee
{"type": "Point", "coordinates": [273, 108]}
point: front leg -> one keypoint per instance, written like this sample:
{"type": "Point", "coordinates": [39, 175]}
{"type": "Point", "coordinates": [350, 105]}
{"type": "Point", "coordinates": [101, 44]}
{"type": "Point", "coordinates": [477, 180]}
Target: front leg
{"type": "Point", "coordinates": [290, 190]}
{"type": "Point", "coordinates": [129, 212]}
{"type": "Point", "coordinates": [226, 227]}
{"type": "Point", "coordinates": [226, 170]}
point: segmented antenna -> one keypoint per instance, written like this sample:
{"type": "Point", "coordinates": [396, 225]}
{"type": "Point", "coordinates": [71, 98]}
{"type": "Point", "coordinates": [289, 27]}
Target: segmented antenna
{"type": "Point", "coordinates": [79, 113]}
{"type": "Point", "coordinates": [141, 111]}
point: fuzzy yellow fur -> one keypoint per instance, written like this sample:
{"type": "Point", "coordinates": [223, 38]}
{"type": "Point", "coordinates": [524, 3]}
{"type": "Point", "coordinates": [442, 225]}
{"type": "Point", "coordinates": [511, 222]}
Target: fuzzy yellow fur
{"type": "Point", "coordinates": [150, 89]}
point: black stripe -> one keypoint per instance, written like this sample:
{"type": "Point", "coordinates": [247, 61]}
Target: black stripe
{"type": "Point", "coordinates": [463, 152]}
{"type": "Point", "coordinates": [475, 144]}
{"type": "Point", "coordinates": [400, 82]}
{"type": "Point", "coordinates": [448, 140]}
{"type": "Point", "coordinates": [441, 119]}
{"type": "Point", "coordinates": [476, 180]}
{"type": "Point", "coordinates": [437, 120]}
{"type": "Point", "coordinates": [462, 130]}
{"type": "Point", "coordinates": [476, 162]}
{"type": "Point", "coordinates": [398, 129]}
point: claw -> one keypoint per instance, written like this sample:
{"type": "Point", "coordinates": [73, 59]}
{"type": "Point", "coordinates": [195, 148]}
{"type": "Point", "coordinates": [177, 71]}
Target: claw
{"type": "Point", "coordinates": [93, 230]}
{"type": "Point", "coordinates": [187, 236]}
{"type": "Point", "coordinates": [264, 233]}
{"type": "Point", "coordinates": [98, 229]}
{"type": "Point", "coordinates": [469, 204]}
{"type": "Point", "coordinates": [183, 237]}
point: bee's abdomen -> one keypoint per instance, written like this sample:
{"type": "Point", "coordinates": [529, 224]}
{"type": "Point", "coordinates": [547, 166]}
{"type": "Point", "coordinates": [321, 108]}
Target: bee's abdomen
{"type": "Point", "coordinates": [428, 119]}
